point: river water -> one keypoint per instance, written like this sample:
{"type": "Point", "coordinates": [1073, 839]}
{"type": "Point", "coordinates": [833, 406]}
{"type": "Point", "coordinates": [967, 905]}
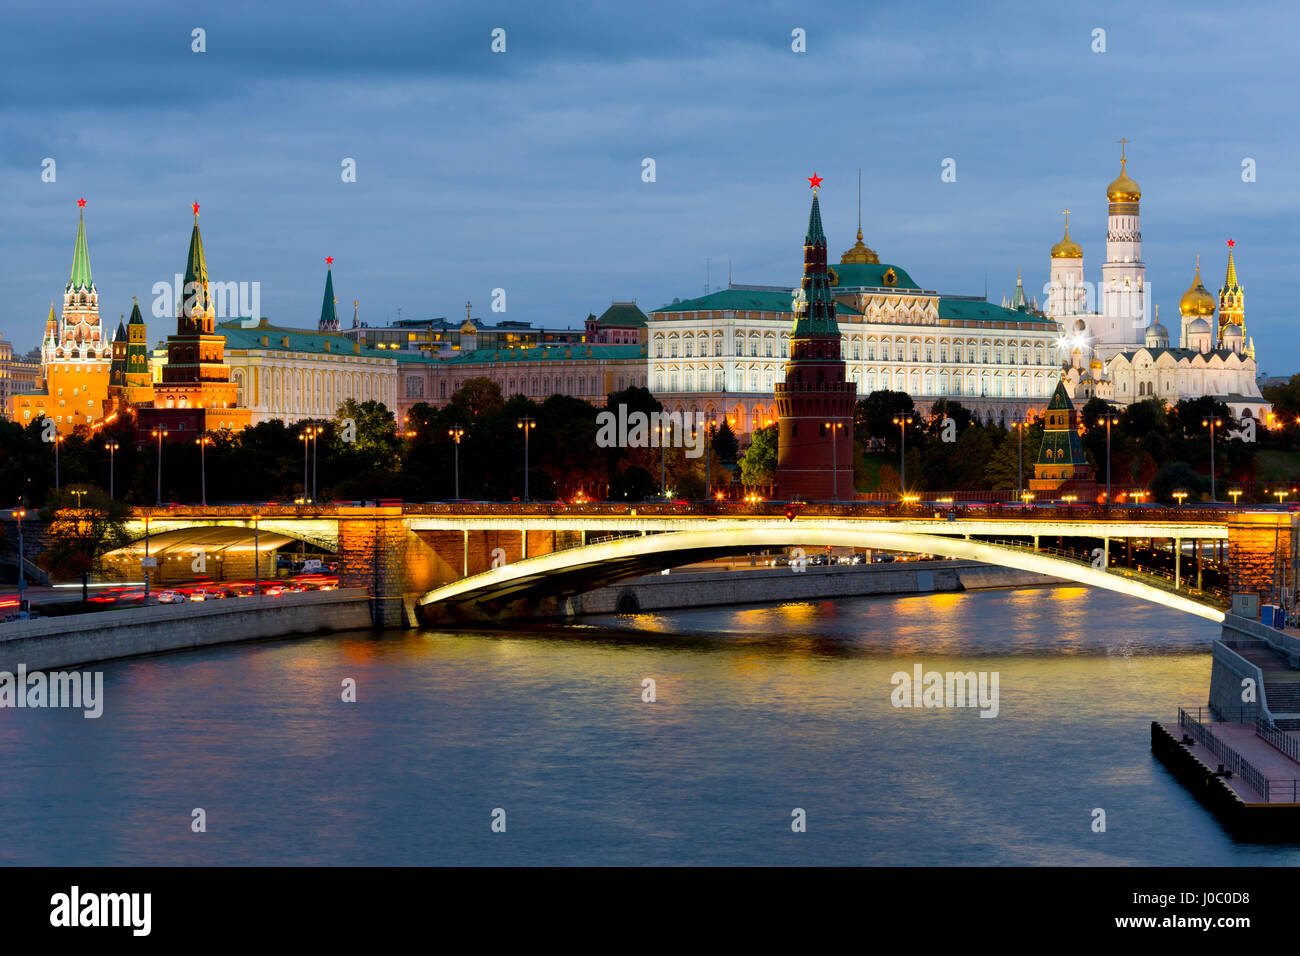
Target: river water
{"type": "Point", "coordinates": [759, 711]}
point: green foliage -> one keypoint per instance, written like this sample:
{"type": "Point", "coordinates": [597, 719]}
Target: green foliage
{"type": "Point", "coordinates": [724, 443]}
{"type": "Point", "coordinates": [758, 465]}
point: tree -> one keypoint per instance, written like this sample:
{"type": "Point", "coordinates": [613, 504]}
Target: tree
{"type": "Point", "coordinates": [83, 524]}
{"type": "Point", "coordinates": [479, 397]}
{"type": "Point", "coordinates": [758, 465]}
{"type": "Point", "coordinates": [725, 444]}
{"type": "Point", "coordinates": [873, 416]}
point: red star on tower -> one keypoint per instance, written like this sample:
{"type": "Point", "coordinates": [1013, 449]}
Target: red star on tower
{"type": "Point", "coordinates": [329, 260]}
{"type": "Point", "coordinates": [814, 180]}
{"type": "Point", "coordinates": [81, 202]}
{"type": "Point", "coordinates": [1231, 243]}
{"type": "Point", "coordinates": [196, 210]}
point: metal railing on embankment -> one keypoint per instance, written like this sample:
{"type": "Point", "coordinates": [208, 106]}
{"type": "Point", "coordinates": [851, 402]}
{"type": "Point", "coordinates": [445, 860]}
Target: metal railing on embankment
{"type": "Point", "coordinates": [1276, 790]}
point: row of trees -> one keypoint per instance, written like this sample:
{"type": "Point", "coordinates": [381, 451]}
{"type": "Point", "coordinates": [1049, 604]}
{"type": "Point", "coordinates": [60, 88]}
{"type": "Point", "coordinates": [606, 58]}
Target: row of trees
{"type": "Point", "coordinates": [363, 452]}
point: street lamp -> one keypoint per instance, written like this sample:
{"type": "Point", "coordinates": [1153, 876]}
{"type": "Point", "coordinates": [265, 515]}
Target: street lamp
{"type": "Point", "coordinates": [112, 447]}
{"type": "Point", "coordinates": [663, 445]}
{"type": "Point", "coordinates": [835, 462]}
{"type": "Point", "coordinates": [305, 437]}
{"type": "Point", "coordinates": [257, 556]}
{"type": "Point", "coordinates": [708, 464]}
{"type": "Point", "coordinates": [58, 439]}
{"type": "Point", "coordinates": [1281, 496]}
{"type": "Point", "coordinates": [19, 514]}
{"type": "Point", "coordinates": [1020, 454]}
{"type": "Point", "coordinates": [1212, 422]}
{"type": "Point", "coordinates": [203, 441]}
{"type": "Point", "coordinates": [456, 434]}
{"type": "Point", "coordinates": [315, 431]}
{"type": "Point", "coordinates": [527, 423]}
{"type": "Point", "coordinates": [1234, 494]}
{"type": "Point", "coordinates": [1110, 420]}
{"type": "Point", "coordinates": [1181, 496]}
{"type": "Point", "coordinates": [160, 434]}
{"type": "Point", "coordinates": [902, 421]}
{"type": "Point", "coordinates": [1026, 496]}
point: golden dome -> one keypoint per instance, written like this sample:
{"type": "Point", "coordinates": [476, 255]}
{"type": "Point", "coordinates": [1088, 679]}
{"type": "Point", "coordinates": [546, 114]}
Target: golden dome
{"type": "Point", "coordinates": [860, 253]}
{"type": "Point", "coordinates": [1067, 248]}
{"type": "Point", "coordinates": [1123, 188]}
{"type": "Point", "coordinates": [1197, 299]}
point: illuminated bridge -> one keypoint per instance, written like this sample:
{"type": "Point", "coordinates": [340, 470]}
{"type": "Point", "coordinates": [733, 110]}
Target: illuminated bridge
{"type": "Point", "coordinates": [495, 561]}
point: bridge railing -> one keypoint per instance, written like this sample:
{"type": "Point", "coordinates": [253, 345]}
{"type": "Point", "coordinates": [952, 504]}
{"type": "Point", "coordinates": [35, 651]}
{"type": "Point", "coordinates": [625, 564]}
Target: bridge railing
{"type": "Point", "coordinates": [859, 509]}
{"type": "Point", "coordinates": [1151, 576]}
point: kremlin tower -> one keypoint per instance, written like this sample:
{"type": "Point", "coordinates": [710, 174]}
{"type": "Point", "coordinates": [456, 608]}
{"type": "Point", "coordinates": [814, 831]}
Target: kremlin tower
{"type": "Point", "coordinates": [1232, 311]}
{"type": "Point", "coordinates": [75, 355]}
{"type": "Point", "coordinates": [815, 403]}
{"type": "Point", "coordinates": [195, 394]}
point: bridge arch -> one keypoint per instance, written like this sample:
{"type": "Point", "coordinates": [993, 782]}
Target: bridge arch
{"type": "Point", "coordinates": [574, 570]}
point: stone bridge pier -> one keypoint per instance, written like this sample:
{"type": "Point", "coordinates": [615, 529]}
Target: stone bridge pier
{"type": "Point", "coordinates": [1262, 553]}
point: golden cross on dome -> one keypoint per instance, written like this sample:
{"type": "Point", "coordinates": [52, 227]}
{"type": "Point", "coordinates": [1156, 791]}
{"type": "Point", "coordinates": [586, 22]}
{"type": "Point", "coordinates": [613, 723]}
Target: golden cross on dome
{"type": "Point", "coordinates": [1123, 148]}
{"type": "Point", "coordinates": [467, 308]}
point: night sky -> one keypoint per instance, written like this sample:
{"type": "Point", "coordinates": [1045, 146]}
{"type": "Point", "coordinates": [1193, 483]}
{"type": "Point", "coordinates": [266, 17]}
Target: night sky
{"type": "Point", "coordinates": [522, 170]}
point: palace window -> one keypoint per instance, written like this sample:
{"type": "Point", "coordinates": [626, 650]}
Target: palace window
{"type": "Point", "coordinates": [916, 352]}
{"type": "Point", "coordinates": [898, 352]}
{"type": "Point", "coordinates": [690, 348]}
{"type": "Point", "coordinates": [659, 348]}
{"type": "Point", "coordinates": [672, 349]}
{"type": "Point", "coordinates": [857, 348]}
{"type": "Point", "coordinates": [767, 347]}
{"type": "Point", "coordinates": [929, 355]}
{"type": "Point", "coordinates": [871, 351]}
{"type": "Point", "coordinates": [943, 351]}
{"type": "Point", "coordinates": [753, 348]}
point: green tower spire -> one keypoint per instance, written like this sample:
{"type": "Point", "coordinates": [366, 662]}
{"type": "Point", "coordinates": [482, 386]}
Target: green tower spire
{"type": "Point", "coordinates": [81, 278]}
{"type": "Point", "coordinates": [329, 315]}
{"type": "Point", "coordinates": [196, 271]}
{"type": "Point", "coordinates": [815, 315]}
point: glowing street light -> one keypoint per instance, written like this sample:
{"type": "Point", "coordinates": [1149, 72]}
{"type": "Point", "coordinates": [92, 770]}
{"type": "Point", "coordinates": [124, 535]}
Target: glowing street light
{"type": "Point", "coordinates": [527, 423]}
{"type": "Point", "coordinates": [1235, 493]}
{"type": "Point", "coordinates": [902, 421]}
{"type": "Point", "coordinates": [58, 440]}
{"type": "Point", "coordinates": [19, 514]}
{"type": "Point", "coordinates": [456, 434]}
{"type": "Point", "coordinates": [1026, 496]}
{"type": "Point", "coordinates": [160, 434]}
{"type": "Point", "coordinates": [111, 447]}
{"type": "Point", "coordinates": [835, 460]}
{"type": "Point", "coordinates": [203, 441]}
{"type": "Point", "coordinates": [1213, 423]}
{"type": "Point", "coordinates": [1181, 496]}
{"type": "Point", "coordinates": [1109, 420]}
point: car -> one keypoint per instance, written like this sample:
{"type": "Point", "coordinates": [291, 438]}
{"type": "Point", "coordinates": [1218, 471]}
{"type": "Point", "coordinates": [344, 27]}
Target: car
{"type": "Point", "coordinates": [198, 595]}
{"type": "Point", "coordinates": [171, 597]}
{"type": "Point", "coordinates": [274, 590]}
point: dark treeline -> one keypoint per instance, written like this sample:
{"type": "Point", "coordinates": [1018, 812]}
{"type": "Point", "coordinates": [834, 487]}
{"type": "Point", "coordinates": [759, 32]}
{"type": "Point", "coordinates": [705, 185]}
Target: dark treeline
{"type": "Point", "coordinates": [364, 453]}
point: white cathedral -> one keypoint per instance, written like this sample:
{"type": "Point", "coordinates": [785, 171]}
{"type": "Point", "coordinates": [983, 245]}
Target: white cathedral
{"type": "Point", "coordinates": [1115, 353]}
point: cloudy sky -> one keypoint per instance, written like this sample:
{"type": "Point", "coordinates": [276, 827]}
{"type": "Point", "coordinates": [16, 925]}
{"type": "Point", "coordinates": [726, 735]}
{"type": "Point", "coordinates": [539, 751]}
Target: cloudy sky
{"type": "Point", "coordinates": [522, 170]}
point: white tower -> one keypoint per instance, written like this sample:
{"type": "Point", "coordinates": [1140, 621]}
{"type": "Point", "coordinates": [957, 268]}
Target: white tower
{"type": "Point", "coordinates": [1123, 275]}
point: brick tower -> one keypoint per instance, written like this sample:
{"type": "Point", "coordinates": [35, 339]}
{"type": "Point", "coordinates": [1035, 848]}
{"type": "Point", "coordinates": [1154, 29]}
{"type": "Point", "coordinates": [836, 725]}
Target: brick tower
{"type": "Point", "coordinates": [814, 403]}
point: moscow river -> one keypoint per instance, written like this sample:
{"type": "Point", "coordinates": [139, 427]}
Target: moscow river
{"type": "Point", "coordinates": [760, 710]}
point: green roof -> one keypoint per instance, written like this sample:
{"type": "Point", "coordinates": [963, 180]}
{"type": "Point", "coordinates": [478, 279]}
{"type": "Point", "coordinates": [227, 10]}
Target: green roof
{"type": "Point", "coordinates": [850, 274]}
{"type": "Point", "coordinates": [1060, 398]}
{"type": "Point", "coordinates": [81, 278]}
{"type": "Point", "coordinates": [196, 269]}
{"type": "Point", "coordinates": [978, 310]}
{"type": "Point", "coordinates": [300, 340]}
{"type": "Point", "coordinates": [742, 300]}
{"type": "Point", "coordinates": [550, 353]}
{"type": "Point", "coordinates": [624, 315]}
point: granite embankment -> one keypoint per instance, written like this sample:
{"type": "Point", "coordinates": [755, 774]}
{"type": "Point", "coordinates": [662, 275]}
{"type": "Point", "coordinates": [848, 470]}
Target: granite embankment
{"type": "Point", "coordinates": [701, 588]}
{"type": "Point", "coordinates": [81, 638]}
